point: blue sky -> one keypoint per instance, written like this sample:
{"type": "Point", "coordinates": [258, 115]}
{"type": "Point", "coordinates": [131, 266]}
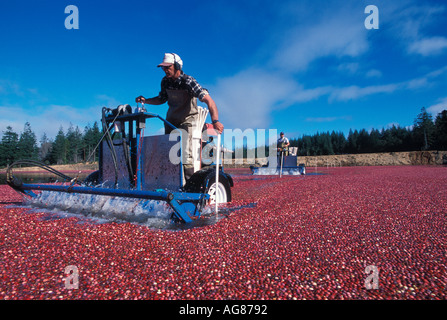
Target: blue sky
{"type": "Point", "coordinates": [295, 66]}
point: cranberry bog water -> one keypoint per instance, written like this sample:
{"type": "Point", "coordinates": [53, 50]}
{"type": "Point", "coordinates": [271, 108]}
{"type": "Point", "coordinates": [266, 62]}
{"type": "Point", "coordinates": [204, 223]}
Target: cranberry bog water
{"type": "Point", "coordinates": [350, 233]}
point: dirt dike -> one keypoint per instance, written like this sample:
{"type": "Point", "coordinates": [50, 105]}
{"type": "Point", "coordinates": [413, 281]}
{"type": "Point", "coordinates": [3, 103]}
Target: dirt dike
{"type": "Point", "coordinates": [378, 159]}
{"type": "Point", "coordinates": [91, 166]}
{"type": "Point", "coordinates": [345, 160]}
{"type": "Point", "coordinates": [364, 159]}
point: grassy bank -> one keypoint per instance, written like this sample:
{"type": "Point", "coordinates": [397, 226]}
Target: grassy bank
{"type": "Point", "coordinates": [91, 166]}
{"type": "Point", "coordinates": [364, 159]}
{"type": "Point", "coordinates": [344, 160]}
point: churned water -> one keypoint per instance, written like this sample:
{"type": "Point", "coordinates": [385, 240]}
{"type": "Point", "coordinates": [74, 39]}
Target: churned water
{"type": "Point", "coordinates": [104, 209]}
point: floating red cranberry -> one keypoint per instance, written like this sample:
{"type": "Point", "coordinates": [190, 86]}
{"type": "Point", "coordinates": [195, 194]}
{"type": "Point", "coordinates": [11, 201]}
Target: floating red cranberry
{"type": "Point", "coordinates": [294, 237]}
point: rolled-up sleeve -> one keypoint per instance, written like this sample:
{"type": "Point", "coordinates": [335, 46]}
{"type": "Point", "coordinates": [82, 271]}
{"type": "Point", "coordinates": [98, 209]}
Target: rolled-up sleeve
{"type": "Point", "coordinates": [195, 88]}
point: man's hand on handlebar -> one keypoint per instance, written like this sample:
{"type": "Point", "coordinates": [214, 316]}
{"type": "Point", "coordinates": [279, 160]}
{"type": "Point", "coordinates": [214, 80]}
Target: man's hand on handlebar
{"type": "Point", "coordinates": [218, 126]}
{"type": "Point", "coordinates": [140, 99]}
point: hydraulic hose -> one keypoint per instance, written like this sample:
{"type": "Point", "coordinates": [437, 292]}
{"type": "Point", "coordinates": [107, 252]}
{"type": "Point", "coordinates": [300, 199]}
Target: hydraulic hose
{"type": "Point", "coordinates": [37, 164]}
{"type": "Point", "coordinates": [109, 141]}
{"type": "Point", "coordinates": [16, 183]}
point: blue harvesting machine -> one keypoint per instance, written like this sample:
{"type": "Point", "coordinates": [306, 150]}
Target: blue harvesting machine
{"type": "Point", "coordinates": [132, 165]}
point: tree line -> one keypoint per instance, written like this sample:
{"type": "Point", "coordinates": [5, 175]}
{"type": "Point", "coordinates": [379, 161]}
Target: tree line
{"type": "Point", "coordinates": [74, 145]}
{"type": "Point", "coordinates": [425, 134]}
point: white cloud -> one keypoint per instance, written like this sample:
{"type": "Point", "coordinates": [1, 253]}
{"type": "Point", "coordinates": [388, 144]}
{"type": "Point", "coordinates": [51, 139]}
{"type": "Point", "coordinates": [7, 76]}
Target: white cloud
{"type": "Point", "coordinates": [350, 68]}
{"type": "Point", "coordinates": [328, 119]}
{"type": "Point", "coordinates": [107, 101]}
{"type": "Point", "coordinates": [305, 95]}
{"type": "Point", "coordinates": [357, 69]}
{"type": "Point", "coordinates": [373, 73]}
{"type": "Point", "coordinates": [47, 119]}
{"type": "Point", "coordinates": [11, 116]}
{"type": "Point", "coordinates": [392, 124]}
{"type": "Point", "coordinates": [439, 107]}
{"type": "Point", "coordinates": [337, 35]}
{"type": "Point", "coordinates": [246, 99]}
{"type": "Point", "coordinates": [410, 26]}
{"type": "Point", "coordinates": [426, 80]}
{"type": "Point", "coordinates": [8, 87]}
{"type": "Point", "coordinates": [356, 92]}
{"type": "Point", "coordinates": [429, 46]}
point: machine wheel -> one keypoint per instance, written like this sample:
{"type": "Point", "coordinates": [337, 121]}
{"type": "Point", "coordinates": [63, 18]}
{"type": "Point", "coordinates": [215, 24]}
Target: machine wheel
{"type": "Point", "coordinates": [92, 178]}
{"type": "Point", "coordinates": [220, 191]}
{"type": "Point", "coordinates": [204, 181]}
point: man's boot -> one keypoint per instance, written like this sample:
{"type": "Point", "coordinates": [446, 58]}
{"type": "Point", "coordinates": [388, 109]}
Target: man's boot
{"type": "Point", "coordinates": [188, 171]}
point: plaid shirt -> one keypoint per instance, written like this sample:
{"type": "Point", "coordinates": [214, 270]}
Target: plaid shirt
{"type": "Point", "coordinates": [282, 141]}
{"type": "Point", "coordinates": [184, 82]}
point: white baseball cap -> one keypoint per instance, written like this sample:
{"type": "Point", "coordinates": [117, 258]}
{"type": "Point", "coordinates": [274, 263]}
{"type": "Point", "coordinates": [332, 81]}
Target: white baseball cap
{"type": "Point", "coordinates": [169, 59]}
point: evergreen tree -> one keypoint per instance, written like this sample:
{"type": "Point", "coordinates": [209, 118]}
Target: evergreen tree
{"type": "Point", "coordinates": [375, 142]}
{"type": "Point", "coordinates": [440, 140]}
{"type": "Point", "coordinates": [363, 144]}
{"type": "Point", "coordinates": [390, 139]}
{"type": "Point", "coordinates": [326, 148]}
{"type": "Point", "coordinates": [423, 131]}
{"type": "Point", "coordinates": [305, 148]}
{"type": "Point", "coordinates": [316, 144]}
{"type": "Point", "coordinates": [90, 139]}
{"type": "Point", "coordinates": [352, 145]}
{"type": "Point", "coordinates": [45, 148]}
{"type": "Point", "coordinates": [58, 153]}
{"type": "Point", "coordinates": [9, 147]}
{"type": "Point", "coordinates": [27, 144]}
{"type": "Point", "coordinates": [74, 144]}
{"type": "Point", "coordinates": [338, 140]}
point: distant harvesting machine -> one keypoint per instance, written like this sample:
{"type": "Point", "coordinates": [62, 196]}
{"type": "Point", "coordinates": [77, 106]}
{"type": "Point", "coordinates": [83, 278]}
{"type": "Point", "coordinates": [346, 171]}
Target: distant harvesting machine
{"type": "Point", "coordinates": [281, 164]}
{"type": "Point", "coordinates": [132, 165]}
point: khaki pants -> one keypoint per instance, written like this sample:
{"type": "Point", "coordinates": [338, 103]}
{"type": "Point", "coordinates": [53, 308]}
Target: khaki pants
{"type": "Point", "coordinates": [186, 129]}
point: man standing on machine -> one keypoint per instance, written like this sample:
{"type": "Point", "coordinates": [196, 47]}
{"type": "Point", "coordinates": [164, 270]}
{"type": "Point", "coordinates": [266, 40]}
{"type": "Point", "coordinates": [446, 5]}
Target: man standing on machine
{"type": "Point", "coordinates": [283, 145]}
{"type": "Point", "coordinates": [181, 92]}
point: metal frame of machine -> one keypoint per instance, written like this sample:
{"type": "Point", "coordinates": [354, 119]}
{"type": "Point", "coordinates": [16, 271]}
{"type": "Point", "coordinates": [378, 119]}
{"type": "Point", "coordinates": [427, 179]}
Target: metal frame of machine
{"type": "Point", "coordinates": [186, 199]}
